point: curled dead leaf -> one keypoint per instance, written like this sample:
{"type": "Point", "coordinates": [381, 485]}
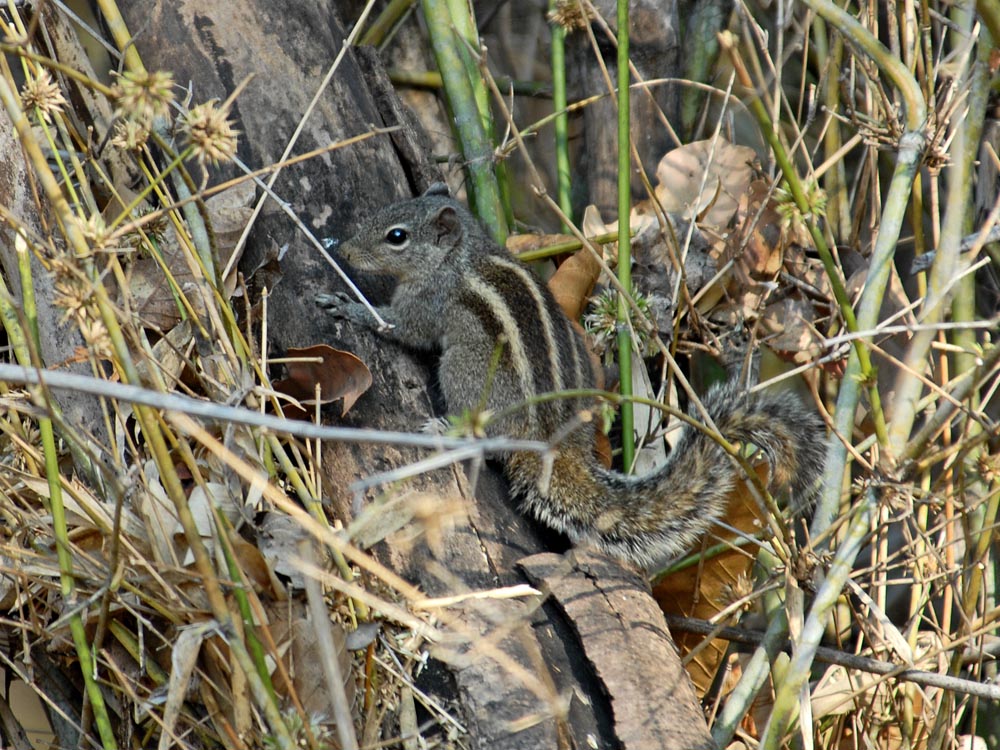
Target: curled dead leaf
{"type": "Point", "coordinates": [338, 375]}
{"type": "Point", "coordinates": [758, 244]}
{"type": "Point", "coordinates": [573, 282]}
{"type": "Point", "coordinates": [574, 279]}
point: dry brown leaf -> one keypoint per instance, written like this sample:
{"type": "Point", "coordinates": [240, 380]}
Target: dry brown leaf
{"type": "Point", "coordinates": [169, 355]}
{"type": "Point", "coordinates": [573, 282]}
{"type": "Point", "coordinates": [183, 657]}
{"type": "Point", "coordinates": [158, 514]}
{"type": "Point", "coordinates": [339, 375]}
{"type": "Point", "coordinates": [149, 286]}
{"type": "Point", "coordinates": [153, 296]}
{"type": "Point", "coordinates": [702, 591]}
{"type": "Point", "coordinates": [788, 326]}
{"type": "Point", "coordinates": [574, 279]}
{"type": "Point", "coordinates": [680, 174]}
{"type": "Point", "coordinates": [278, 537]}
{"type": "Point", "coordinates": [253, 563]}
{"type": "Point", "coordinates": [308, 676]}
{"type": "Point", "coordinates": [229, 212]}
{"type": "Point", "coordinates": [840, 692]}
{"type": "Point", "coordinates": [758, 245]}
{"type": "Point", "coordinates": [204, 501]}
{"type": "Point", "coordinates": [809, 271]}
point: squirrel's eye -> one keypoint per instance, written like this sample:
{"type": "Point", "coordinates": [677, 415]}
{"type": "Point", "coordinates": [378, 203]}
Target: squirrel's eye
{"type": "Point", "coordinates": [397, 236]}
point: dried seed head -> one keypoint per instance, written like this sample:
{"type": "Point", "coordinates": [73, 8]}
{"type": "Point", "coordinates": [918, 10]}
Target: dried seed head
{"type": "Point", "coordinates": [130, 135]}
{"type": "Point", "coordinates": [142, 96]}
{"type": "Point", "coordinates": [71, 298]}
{"type": "Point", "coordinates": [153, 230]}
{"type": "Point", "coordinates": [73, 293]}
{"type": "Point", "coordinates": [793, 222]}
{"type": "Point", "coordinates": [601, 321]}
{"type": "Point", "coordinates": [211, 136]}
{"type": "Point", "coordinates": [95, 333]}
{"type": "Point", "coordinates": [989, 467]}
{"type": "Point", "coordinates": [42, 95]}
{"type": "Point", "coordinates": [571, 15]}
{"type": "Point", "coordinates": [98, 236]}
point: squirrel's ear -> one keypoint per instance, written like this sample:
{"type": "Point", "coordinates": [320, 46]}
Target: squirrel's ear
{"type": "Point", "coordinates": [447, 226]}
{"type": "Point", "coordinates": [438, 188]}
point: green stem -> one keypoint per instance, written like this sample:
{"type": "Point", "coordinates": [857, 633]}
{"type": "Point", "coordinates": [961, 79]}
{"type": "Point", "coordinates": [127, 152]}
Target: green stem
{"type": "Point", "coordinates": [469, 49]}
{"type": "Point", "coordinates": [838, 204]}
{"type": "Point", "coordinates": [386, 21]}
{"type": "Point", "coordinates": [755, 672]}
{"type": "Point", "coordinates": [947, 264]}
{"type": "Point", "coordinates": [431, 79]}
{"type": "Point", "coordinates": [799, 195]}
{"type": "Point", "coordinates": [980, 520]}
{"type": "Point", "coordinates": [564, 247]}
{"type": "Point", "coordinates": [473, 138]}
{"type": "Point", "coordinates": [225, 534]}
{"type": "Point", "coordinates": [789, 693]}
{"type": "Point", "coordinates": [624, 238]}
{"type": "Point", "coordinates": [559, 104]}
{"type": "Point", "coordinates": [859, 368]}
{"type": "Point", "coordinates": [126, 213]}
{"type": "Point", "coordinates": [60, 530]}
{"type": "Point", "coordinates": [989, 13]}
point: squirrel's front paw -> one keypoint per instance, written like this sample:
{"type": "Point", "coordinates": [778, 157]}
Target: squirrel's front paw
{"type": "Point", "coordinates": [341, 305]}
{"type": "Point", "coordinates": [333, 302]}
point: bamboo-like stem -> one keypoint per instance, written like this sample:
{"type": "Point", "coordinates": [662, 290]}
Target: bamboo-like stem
{"type": "Point", "coordinates": [624, 269]}
{"type": "Point", "coordinates": [911, 147]}
{"type": "Point", "coordinates": [701, 55]}
{"type": "Point", "coordinates": [838, 202]}
{"type": "Point", "coordinates": [786, 701]}
{"type": "Point", "coordinates": [989, 14]}
{"type": "Point", "coordinates": [121, 35]}
{"type": "Point", "coordinates": [980, 521]}
{"type": "Point", "coordinates": [474, 139]}
{"type": "Point", "coordinates": [899, 672]}
{"type": "Point", "coordinates": [561, 124]}
{"type": "Point", "coordinates": [391, 15]}
{"type": "Point", "coordinates": [431, 79]}
{"type": "Point", "coordinates": [471, 52]}
{"type": "Point", "coordinates": [799, 195]}
{"type": "Point", "coordinates": [947, 264]}
{"type": "Point", "coordinates": [60, 530]}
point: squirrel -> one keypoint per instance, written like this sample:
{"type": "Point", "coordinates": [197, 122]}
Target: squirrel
{"type": "Point", "coordinates": [503, 341]}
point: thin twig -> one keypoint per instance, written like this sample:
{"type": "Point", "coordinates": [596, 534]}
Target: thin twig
{"type": "Point", "coordinates": [851, 661]}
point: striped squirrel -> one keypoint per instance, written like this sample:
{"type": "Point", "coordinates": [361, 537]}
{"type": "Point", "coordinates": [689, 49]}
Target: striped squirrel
{"type": "Point", "coordinates": [503, 340]}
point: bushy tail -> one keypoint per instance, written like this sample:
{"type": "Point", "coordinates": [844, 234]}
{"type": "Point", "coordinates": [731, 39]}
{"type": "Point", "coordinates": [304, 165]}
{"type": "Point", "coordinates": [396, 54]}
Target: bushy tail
{"type": "Point", "coordinates": [655, 517]}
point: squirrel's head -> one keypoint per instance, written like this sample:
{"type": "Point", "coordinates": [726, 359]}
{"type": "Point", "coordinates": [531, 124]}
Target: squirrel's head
{"type": "Point", "coordinates": [409, 237]}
